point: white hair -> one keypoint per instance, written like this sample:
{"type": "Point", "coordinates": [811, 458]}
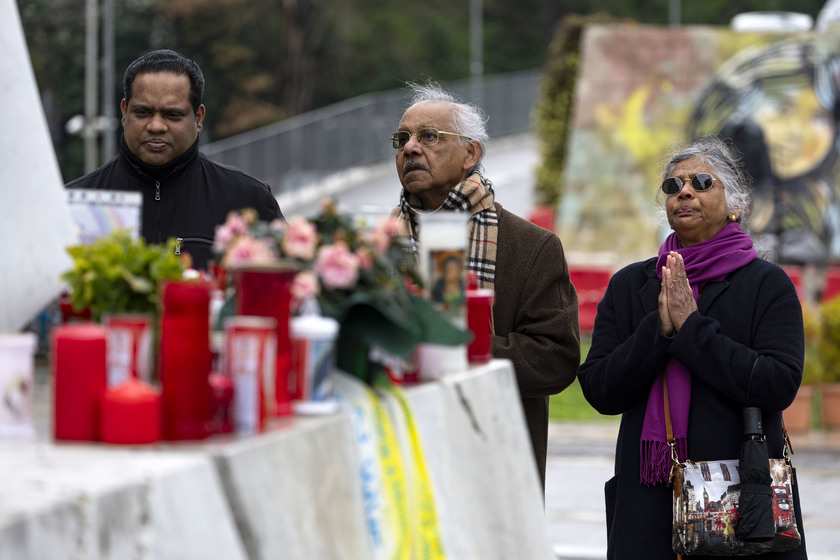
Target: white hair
{"type": "Point", "coordinates": [726, 164]}
{"type": "Point", "coordinates": [467, 119]}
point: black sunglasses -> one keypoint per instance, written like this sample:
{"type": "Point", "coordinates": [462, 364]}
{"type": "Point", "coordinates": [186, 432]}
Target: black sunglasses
{"type": "Point", "coordinates": [700, 182]}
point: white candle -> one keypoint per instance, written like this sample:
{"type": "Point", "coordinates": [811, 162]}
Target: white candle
{"type": "Point", "coordinates": [443, 247]}
{"type": "Point", "coordinates": [16, 381]}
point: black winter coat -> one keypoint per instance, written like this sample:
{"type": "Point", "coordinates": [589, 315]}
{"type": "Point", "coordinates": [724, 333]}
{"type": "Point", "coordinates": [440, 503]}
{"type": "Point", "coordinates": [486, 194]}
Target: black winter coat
{"type": "Point", "coordinates": [184, 199]}
{"type": "Point", "coordinates": [744, 346]}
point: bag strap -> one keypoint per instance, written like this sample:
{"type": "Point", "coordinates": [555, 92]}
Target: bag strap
{"type": "Point", "coordinates": [668, 427]}
{"type": "Point", "coordinates": [788, 448]}
{"type": "Point", "coordinates": [669, 430]}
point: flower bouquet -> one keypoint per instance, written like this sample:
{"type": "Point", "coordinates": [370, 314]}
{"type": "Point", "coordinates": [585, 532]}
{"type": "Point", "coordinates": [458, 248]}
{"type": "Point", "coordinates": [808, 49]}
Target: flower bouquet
{"type": "Point", "coordinates": [362, 277]}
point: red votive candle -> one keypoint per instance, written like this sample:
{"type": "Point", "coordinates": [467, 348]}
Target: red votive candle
{"type": "Point", "coordinates": [79, 364]}
{"type": "Point", "coordinates": [185, 360]}
{"type": "Point", "coordinates": [69, 314]}
{"type": "Point", "coordinates": [480, 322]}
{"type": "Point", "coordinates": [266, 291]}
{"type": "Point", "coordinates": [222, 387]}
{"type": "Point", "coordinates": [131, 414]}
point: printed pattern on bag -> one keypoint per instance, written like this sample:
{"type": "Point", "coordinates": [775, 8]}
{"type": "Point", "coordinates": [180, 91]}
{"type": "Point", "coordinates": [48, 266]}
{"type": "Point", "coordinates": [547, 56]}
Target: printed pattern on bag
{"type": "Point", "coordinates": [706, 510]}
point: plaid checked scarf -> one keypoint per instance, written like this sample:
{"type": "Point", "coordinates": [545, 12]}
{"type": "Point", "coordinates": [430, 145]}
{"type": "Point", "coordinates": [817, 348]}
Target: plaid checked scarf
{"type": "Point", "coordinates": [473, 195]}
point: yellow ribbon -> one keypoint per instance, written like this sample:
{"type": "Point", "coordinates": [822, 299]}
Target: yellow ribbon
{"type": "Point", "coordinates": [427, 541]}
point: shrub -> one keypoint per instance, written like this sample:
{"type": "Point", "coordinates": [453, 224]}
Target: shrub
{"type": "Point", "coordinates": [813, 373]}
{"type": "Point", "coordinates": [829, 340]}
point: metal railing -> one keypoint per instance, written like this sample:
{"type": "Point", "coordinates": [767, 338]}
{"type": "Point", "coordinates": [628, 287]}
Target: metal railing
{"type": "Point", "coordinates": [308, 147]}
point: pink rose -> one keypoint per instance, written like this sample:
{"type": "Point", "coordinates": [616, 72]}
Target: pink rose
{"type": "Point", "coordinates": [234, 225]}
{"type": "Point", "coordinates": [337, 266]}
{"type": "Point", "coordinates": [389, 226]}
{"type": "Point", "coordinates": [383, 233]}
{"type": "Point", "coordinates": [247, 250]}
{"type": "Point", "coordinates": [365, 257]}
{"type": "Point", "coordinates": [301, 238]}
{"type": "Point", "coordinates": [305, 285]}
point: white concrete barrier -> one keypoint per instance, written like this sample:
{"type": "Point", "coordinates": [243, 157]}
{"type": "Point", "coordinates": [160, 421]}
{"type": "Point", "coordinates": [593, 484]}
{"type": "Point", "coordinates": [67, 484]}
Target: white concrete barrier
{"type": "Point", "coordinates": [293, 491]}
{"type": "Point", "coordinates": [96, 502]}
{"type": "Point", "coordinates": [460, 479]}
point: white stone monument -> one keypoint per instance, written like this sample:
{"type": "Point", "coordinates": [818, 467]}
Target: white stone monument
{"type": "Point", "coordinates": [35, 222]}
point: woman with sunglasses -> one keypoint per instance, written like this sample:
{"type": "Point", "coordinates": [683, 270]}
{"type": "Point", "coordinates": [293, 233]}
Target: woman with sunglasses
{"type": "Point", "coordinates": [708, 321]}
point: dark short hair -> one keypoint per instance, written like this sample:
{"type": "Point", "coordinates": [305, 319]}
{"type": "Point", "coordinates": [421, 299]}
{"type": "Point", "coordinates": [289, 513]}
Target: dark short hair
{"type": "Point", "coordinates": [165, 60]}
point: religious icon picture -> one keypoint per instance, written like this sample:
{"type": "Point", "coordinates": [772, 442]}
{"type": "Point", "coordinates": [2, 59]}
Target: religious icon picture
{"type": "Point", "coordinates": [448, 282]}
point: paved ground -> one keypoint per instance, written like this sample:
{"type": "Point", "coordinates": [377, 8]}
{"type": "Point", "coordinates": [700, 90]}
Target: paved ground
{"type": "Point", "coordinates": [580, 461]}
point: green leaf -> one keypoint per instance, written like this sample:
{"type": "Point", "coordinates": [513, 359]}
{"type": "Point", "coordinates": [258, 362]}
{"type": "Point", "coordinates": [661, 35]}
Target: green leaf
{"type": "Point", "coordinates": [117, 273]}
{"type": "Point", "coordinates": [227, 310]}
{"type": "Point", "coordinates": [138, 283]}
{"type": "Point", "coordinates": [367, 323]}
{"type": "Point", "coordinates": [434, 327]}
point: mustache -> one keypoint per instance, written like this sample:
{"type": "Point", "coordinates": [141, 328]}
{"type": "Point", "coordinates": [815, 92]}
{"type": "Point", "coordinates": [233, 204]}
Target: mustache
{"type": "Point", "coordinates": [413, 164]}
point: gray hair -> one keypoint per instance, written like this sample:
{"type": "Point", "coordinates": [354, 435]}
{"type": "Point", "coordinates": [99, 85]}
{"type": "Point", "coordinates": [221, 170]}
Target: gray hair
{"type": "Point", "coordinates": [725, 162]}
{"type": "Point", "coordinates": [467, 119]}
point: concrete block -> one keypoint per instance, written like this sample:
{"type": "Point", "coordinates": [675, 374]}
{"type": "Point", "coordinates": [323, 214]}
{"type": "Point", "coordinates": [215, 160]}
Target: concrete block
{"type": "Point", "coordinates": [488, 491]}
{"type": "Point", "coordinates": [295, 492]}
{"type": "Point", "coordinates": [86, 502]}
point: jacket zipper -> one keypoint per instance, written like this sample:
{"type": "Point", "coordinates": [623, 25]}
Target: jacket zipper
{"type": "Point", "coordinates": [158, 211]}
{"type": "Point", "coordinates": [180, 240]}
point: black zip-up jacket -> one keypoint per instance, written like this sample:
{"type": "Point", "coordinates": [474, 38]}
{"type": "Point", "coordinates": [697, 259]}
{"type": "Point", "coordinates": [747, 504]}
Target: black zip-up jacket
{"type": "Point", "coordinates": [184, 199]}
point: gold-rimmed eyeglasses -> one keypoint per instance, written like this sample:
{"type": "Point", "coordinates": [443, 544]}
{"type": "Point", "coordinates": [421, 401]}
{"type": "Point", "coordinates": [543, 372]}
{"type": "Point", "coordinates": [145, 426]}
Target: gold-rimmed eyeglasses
{"type": "Point", "coordinates": [427, 136]}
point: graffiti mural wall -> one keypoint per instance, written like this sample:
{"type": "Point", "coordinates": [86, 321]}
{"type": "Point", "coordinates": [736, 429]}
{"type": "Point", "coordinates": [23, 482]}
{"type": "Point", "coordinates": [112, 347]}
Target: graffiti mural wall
{"type": "Point", "coordinates": [642, 90]}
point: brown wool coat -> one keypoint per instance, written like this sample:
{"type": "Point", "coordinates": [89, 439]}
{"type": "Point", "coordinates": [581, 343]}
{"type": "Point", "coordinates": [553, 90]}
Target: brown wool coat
{"type": "Point", "coordinates": [536, 319]}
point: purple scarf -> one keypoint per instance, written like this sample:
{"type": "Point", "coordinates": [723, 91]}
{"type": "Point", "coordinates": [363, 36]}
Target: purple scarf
{"type": "Point", "coordinates": [709, 261]}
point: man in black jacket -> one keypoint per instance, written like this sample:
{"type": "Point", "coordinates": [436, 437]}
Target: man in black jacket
{"type": "Point", "coordinates": [185, 194]}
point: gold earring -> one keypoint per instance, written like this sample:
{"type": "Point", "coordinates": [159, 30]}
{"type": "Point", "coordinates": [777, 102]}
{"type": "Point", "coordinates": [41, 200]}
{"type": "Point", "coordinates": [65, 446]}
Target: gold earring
{"type": "Point", "coordinates": [732, 217]}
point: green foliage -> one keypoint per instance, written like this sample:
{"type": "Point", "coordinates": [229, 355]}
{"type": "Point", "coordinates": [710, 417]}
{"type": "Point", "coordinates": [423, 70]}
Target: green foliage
{"type": "Point", "coordinates": [814, 369]}
{"type": "Point", "coordinates": [116, 274]}
{"type": "Point", "coordinates": [553, 113]}
{"type": "Point", "coordinates": [822, 342]}
{"type": "Point", "coordinates": [570, 404]}
{"type": "Point", "coordinates": [829, 340]}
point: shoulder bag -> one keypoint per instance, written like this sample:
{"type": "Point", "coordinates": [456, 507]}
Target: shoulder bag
{"type": "Point", "coordinates": [705, 504]}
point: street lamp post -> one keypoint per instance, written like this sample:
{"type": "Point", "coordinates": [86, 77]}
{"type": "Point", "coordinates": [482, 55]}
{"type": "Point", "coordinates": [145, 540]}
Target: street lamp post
{"type": "Point", "coordinates": [477, 50]}
{"type": "Point", "coordinates": [674, 12]}
{"type": "Point", "coordinates": [91, 69]}
{"type": "Point", "coordinates": [93, 123]}
{"type": "Point", "coordinates": [109, 143]}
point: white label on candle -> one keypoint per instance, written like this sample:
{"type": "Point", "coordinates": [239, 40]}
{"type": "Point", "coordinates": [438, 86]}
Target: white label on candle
{"type": "Point", "coordinates": [120, 355]}
{"type": "Point", "coordinates": [244, 365]}
{"type": "Point", "coordinates": [443, 247]}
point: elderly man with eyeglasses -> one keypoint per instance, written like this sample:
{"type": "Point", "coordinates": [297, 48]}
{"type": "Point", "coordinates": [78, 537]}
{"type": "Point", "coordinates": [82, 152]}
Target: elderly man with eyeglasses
{"type": "Point", "coordinates": [440, 145]}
